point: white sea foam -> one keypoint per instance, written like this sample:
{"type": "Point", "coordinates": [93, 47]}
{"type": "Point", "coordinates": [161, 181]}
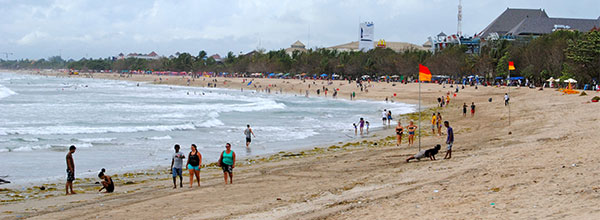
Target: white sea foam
{"type": "Point", "coordinates": [95, 140]}
{"type": "Point", "coordinates": [6, 92]}
{"type": "Point", "coordinates": [57, 130]}
{"type": "Point", "coordinates": [166, 137]}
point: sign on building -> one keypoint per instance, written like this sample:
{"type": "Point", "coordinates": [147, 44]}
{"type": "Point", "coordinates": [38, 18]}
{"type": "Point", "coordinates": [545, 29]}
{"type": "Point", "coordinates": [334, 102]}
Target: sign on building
{"type": "Point", "coordinates": [365, 41]}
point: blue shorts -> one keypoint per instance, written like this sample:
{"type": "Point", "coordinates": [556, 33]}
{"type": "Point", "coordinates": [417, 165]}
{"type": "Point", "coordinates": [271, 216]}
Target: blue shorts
{"type": "Point", "coordinates": [190, 167]}
{"type": "Point", "coordinates": [176, 171]}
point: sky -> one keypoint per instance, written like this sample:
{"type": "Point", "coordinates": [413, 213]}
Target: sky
{"type": "Point", "coordinates": [99, 29]}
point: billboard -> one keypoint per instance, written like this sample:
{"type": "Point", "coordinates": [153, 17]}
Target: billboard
{"type": "Point", "coordinates": [365, 41]}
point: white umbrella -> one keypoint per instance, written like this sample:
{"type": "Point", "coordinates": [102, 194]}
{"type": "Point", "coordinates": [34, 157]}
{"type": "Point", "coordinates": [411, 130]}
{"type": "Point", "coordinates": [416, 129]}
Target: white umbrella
{"type": "Point", "coordinates": [550, 80]}
{"type": "Point", "coordinates": [570, 80]}
{"type": "Point", "coordinates": [395, 76]}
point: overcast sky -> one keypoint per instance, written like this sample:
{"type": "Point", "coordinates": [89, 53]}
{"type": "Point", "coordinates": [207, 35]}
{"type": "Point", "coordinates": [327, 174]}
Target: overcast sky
{"type": "Point", "coordinates": [93, 29]}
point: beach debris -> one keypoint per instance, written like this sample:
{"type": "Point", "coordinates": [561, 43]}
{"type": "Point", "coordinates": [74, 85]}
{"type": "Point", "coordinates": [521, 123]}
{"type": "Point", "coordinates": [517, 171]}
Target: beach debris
{"type": "Point", "coordinates": [278, 199]}
{"type": "Point", "coordinates": [493, 203]}
{"type": "Point", "coordinates": [574, 165]}
{"type": "Point", "coordinates": [435, 191]}
{"type": "Point", "coordinates": [495, 189]}
{"type": "Point", "coordinates": [42, 188]}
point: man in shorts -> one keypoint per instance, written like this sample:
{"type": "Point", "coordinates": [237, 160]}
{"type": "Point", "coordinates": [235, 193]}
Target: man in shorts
{"type": "Point", "coordinates": [177, 167]}
{"type": "Point", "coordinates": [449, 140]}
{"type": "Point", "coordinates": [249, 133]}
{"type": "Point", "coordinates": [70, 170]}
{"type": "Point", "coordinates": [384, 116]}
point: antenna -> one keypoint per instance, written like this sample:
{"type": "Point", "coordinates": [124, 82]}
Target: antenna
{"type": "Point", "coordinates": [459, 25]}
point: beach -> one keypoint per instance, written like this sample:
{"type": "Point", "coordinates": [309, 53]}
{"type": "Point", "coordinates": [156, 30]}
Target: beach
{"type": "Point", "coordinates": [542, 166]}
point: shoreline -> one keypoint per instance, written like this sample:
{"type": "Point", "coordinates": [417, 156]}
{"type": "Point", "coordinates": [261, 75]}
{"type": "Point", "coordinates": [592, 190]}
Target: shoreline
{"type": "Point", "coordinates": [491, 174]}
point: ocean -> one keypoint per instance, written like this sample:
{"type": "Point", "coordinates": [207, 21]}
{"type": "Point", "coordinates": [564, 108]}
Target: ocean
{"type": "Point", "coordinates": [123, 126]}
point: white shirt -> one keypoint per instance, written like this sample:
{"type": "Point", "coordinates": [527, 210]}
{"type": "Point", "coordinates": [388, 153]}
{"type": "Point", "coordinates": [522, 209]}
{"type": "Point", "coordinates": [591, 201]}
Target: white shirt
{"type": "Point", "coordinates": [505, 97]}
{"type": "Point", "coordinates": [384, 114]}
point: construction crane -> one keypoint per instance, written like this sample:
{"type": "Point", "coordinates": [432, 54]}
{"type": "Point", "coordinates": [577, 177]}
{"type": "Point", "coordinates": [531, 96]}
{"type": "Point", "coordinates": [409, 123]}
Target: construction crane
{"type": "Point", "coordinates": [6, 54]}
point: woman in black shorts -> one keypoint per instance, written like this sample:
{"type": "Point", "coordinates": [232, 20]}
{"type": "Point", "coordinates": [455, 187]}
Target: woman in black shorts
{"type": "Point", "coordinates": [399, 131]}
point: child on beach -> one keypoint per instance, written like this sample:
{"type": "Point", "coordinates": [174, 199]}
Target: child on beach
{"type": "Point", "coordinates": [399, 131]}
{"type": "Point", "coordinates": [411, 133]}
{"type": "Point", "coordinates": [439, 123]}
{"type": "Point", "coordinates": [355, 128]}
{"type": "Point", "coordinates": [176, 167]}
{"type": "Point", "coordinates": [367, 123]}
{"type": "Point", "coordinates": [70, 170]}
{"type": "Point", "coordinates": [472, 109]}
{"type": "Point", "coordinates": [107, 182]}
{"type": "Point", "coordinates": [464, 109]}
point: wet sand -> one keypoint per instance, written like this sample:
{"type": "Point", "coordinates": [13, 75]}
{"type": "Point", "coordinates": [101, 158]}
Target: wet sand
{"type": "Point", "coordinates": [547, 168]}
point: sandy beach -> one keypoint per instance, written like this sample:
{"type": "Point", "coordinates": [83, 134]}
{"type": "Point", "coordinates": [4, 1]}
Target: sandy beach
{"type": "Point", "coordinates": [546, 168]}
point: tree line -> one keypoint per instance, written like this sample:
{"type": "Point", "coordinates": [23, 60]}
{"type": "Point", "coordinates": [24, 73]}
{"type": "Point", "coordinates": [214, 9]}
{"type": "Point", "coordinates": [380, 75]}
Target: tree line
{"type": "Point", "coordinates": [562, 54]}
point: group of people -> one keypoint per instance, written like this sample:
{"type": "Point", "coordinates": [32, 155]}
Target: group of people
{"type": "Point", "coordinates": [193, 164]}
{"type": "Point", "coordinates": [411, 128]}
{"type": "Point", "coordinates": [430, 153]}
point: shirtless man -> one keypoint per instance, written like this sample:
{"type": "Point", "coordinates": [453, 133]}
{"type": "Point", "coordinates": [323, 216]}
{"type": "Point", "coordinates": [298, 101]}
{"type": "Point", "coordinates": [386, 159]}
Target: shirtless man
{"type": "Point", "coordinates": [70, 170]}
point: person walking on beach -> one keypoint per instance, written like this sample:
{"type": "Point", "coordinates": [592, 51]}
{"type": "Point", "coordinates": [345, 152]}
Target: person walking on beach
{"type": "Point", "coordinates": [193, 165]}
{"type": "Point", "coordinates": [389, 117]}
{"type": "Point", "coordinates": [399, 131]}
{"type": "Point", "coordinates": [472, 109]}
{"type": "Point", "coordinates": [411, 133]}
{"type": "Point", "coordinates": [176, 167]}
{"type": "Point", "coordinates": [384, 116]}
{"type": "Point", "coordinates": [227, 163]}
{"type": "Point", "coordinates": [107, 182]}
{"type": "Point", "coordinates": [506, 99]}
{"type": "Point", "coordinates": [433, 123]}
{"type": "Point", "coordinates": [464, 109]}
{"type": "Point", "coordinates": [70, 170]}
{"type": "Point", "coordinates": [439, 123]}
{"type": "Point", "coordinates": [447, 100]}
{"type": "Point", "coordinates": [249, 133]}
{"type": "Point", "coordinates": [449, 140]}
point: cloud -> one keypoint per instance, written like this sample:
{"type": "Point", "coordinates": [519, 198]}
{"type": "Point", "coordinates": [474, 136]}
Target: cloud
{"type": "Point", "coordinates": [38, 29]}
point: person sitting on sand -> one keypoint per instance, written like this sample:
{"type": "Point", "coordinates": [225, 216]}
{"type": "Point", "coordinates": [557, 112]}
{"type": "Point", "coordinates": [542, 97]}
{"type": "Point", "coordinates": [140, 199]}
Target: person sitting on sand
{"type": "Point", "coordinates": [426, 153]}
{"type": "Point", "coordinates": [227, 163]}
{"type": "Point", "coordinates": [107, 182]}
{"type": "Point", "coordinates": [193, 164]}
{"type": "Point", "coordinates": [399, 131]}
{"type": "Point", "coordinates": [411, 133]}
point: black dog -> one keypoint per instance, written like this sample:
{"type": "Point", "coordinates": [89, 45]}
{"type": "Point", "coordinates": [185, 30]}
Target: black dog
{"type": "Point", "coordinates": [426, 153]}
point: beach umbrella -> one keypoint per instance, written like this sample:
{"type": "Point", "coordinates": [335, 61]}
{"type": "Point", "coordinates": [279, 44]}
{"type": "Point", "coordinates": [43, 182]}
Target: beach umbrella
{"type": "Point", "coordinates": [570, 80]}
{"type": "Point", "coordinates": [323, 75]}
{"type": "Point", "coordinates": [550, 80]}
{"type": "Point", "coordinates": [395, 76]}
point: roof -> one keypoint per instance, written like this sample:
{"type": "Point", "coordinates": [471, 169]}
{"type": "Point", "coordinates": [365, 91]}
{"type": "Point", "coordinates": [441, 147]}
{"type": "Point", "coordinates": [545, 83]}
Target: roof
{"type": "Point", "coordinates": [510, 18]}
{"type": "Point", "coordinates": [442, 34]}
{"type": "Point", "coordinates": [298, 44]}
{"type": "Point", "coordinates": [538, 26]}
{"type": "Point", "coordinates": [396, 46]}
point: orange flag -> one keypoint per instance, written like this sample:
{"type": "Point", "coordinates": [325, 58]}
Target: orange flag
{"type": "Point", "coordinates": [511, 65]}
{"type": "Point", "coordinates": [424, 74]}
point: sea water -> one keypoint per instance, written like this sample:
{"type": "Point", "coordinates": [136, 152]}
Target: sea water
{"type": "Point", "coordinates": [125, 126]}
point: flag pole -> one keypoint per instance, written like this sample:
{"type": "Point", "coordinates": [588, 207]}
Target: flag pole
{"type": "Point", "coordinates": [419, 113]}
{"type": "Point", "coordinates": [508, 87]}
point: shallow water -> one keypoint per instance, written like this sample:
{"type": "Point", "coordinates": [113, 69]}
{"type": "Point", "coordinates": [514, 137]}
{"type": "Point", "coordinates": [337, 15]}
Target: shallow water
{"type": "Point", "coordinates": [123, 127]}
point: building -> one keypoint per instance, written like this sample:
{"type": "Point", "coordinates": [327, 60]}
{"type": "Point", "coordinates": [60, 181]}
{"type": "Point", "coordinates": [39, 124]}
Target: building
{"type": "Point", "coordinates": [396, 46]}
{"type": "Point", "coordinates": [296, 46]}
{"type": "Point", "coordinates": [533, 22]}
{"type": "Point", "coordinates": [151, 56]}
{"type": "Point", "coordinates": [512, 24]}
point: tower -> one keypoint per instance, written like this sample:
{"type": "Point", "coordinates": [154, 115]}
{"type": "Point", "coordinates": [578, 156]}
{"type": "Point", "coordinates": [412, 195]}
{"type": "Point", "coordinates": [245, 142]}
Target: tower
{"type": "Point", "coordinates": [459, 25]}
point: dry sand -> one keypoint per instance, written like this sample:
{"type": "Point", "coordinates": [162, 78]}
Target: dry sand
{"type": "Point", "coordinates": [548, 168]}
